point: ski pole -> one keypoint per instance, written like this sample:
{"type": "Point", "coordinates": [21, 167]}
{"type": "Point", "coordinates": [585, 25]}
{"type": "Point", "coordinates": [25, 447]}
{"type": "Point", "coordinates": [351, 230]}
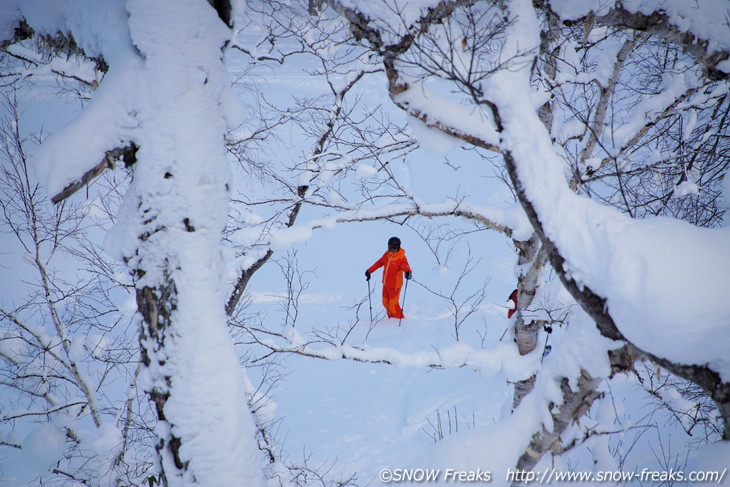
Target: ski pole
{"type": "Point", "coordinates": [504, 333]}
{"type": "Point", "coordinates": [546, 348]}
{"type": "Point", "coordinates": [404, 302]}
{"type": "Point", "coordinates": [370, 301]}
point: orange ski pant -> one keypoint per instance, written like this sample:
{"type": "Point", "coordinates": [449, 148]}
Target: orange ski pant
{"type": "Point", "coordinates": [390, 302]}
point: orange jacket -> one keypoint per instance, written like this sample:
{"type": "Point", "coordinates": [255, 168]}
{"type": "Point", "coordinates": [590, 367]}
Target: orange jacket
{"type": "Point", "coordinates": [395, 265]}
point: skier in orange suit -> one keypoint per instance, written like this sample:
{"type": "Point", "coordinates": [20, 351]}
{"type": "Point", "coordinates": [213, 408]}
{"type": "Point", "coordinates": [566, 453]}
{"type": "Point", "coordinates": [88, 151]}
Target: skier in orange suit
{"type": "Point", "coordinates": [395, 265]}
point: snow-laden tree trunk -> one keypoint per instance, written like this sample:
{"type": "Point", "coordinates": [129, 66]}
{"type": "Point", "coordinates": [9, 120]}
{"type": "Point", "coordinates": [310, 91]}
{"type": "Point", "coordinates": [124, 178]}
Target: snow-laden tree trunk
{"type": "Point", "coordinates": [164, 105]}
{"type": "Point", "coordinates": [177, 208]}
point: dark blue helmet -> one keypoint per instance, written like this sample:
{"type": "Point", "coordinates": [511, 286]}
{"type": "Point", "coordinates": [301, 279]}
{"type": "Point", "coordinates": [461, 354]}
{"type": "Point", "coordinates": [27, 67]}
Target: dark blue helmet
{"type": "Point", "coordinates": [393, 243]}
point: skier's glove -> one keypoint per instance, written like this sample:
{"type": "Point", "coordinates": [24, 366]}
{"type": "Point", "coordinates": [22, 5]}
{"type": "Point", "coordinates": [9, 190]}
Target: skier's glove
{"type": "Point", "coordinates": [367, 275]}
{"type": "Point", "coordinates": [409, 274]}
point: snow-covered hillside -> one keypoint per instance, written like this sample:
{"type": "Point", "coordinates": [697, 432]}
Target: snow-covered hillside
{"type": "Point", "coordinates": [194, 305]}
